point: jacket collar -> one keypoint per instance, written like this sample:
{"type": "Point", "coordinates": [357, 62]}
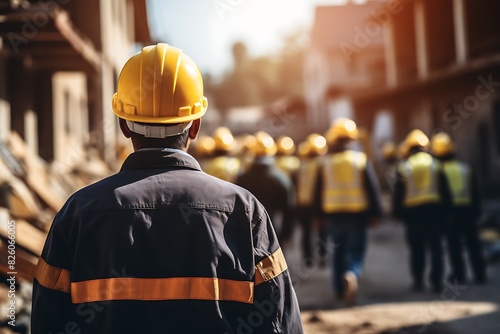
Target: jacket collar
{"type": "Point", "coordinates": [160, 158]}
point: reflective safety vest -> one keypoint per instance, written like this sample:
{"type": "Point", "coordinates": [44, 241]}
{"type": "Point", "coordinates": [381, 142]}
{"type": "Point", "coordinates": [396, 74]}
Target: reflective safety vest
{"type": "Point", "coordinates": [289, 164]}
{"type": "Point", "coordinates": [420, 173]}
{"type": "Point", "coordinates": [458, 175]}
{"type": "Point", "coordinates": [306, 181]}
{"type": "Point", "coordinates": [343, 189]}
{"type": "Point", "coordinates": [224, 168]}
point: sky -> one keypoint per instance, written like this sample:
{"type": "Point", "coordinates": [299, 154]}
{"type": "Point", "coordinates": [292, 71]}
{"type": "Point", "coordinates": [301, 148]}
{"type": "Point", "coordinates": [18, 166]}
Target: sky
{"type": "Point", "coordinates": [206, 29]}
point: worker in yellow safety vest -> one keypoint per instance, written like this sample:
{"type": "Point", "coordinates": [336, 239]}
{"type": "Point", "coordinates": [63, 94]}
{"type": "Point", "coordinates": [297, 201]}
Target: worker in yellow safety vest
{"type": "Point", "coordinates": [223, 165]}
{"type": "Point", "coordinates": [421, 199]}
{"type": "Point", "coordinates": [349, 193]}
{"type": "Point", "coordinates": [288, 163]}
{"type": "Point", "coordinates": [162, 246]}
{"type": "Point", "coordinates": [309, 150]}
{"type": "Point", "coordinates": [462, 222]}
{"type": "Point", "coordinates": [285, 158]}
{"type": "Point", "coordinates": [246, 151]}
{"type": "Point", "coordinates": [203, 148]}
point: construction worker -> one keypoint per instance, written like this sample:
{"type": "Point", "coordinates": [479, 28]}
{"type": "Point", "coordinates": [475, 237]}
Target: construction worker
{"type": "Point", "coordinates": [389, 165]}
{"type": "Point", "coordinates": [223, 166]}
{"type": "Point", "coordinates": [288, 163]}
{"type": "Point", "coordinates": [161, 246]}
{"type": "Point", "coordinates": [464, 212]}
{"type": "Point", "coordinates": [271, 186]}
{"type": "Point", "coordinates": [421, 199]}
{"type": "Point", "coordinates": [309, 150]}
{"type": "Point", "coordinates": [204, 147]}
{"type": "Point", "coordinates": [285, 160]}
{"type": "Point", "coordinates": [246, 155]}
{"type": "Point", "coordinates": [350, 199]}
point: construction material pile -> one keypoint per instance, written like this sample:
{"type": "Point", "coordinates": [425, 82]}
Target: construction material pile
{"type": "Point", "coordinates": [31, 193]}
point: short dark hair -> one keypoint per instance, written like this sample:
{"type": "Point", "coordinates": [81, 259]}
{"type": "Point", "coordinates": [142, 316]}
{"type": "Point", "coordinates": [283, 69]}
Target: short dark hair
{"type": "Point", "coordinates": [178, 141]}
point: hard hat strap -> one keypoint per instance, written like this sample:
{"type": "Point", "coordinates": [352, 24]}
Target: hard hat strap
{"type": "Point", "coordinates": [153, 131]}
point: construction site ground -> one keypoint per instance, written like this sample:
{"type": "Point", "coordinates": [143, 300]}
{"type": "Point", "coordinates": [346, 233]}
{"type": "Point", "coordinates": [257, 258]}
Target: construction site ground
{"type": "Point", "coordinates": [386, 303]}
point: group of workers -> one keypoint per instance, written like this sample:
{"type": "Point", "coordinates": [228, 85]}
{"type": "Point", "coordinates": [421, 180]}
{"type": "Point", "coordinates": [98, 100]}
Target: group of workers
{"type": "Point", "coordinates": [436, 195]}
{"type": "Point", "coordinates": [329, 186]}
{"type": "Point", "coordinates": [162, 245]}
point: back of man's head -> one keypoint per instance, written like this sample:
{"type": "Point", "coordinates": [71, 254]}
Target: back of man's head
{"type": "Point", "coordinates": [160, 98]}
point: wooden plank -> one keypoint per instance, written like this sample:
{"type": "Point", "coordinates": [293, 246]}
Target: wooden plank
{"type": "Point", "coordinates": [22, 203]}
{"type": "Point", "coordinates": [25, 263]}
{"type": "Point", "coordinates": [36, 175]}
{"type": "Point", "coordinates": [26, 235]}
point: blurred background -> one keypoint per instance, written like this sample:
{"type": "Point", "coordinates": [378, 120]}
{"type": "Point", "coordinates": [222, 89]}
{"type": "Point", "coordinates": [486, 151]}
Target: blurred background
{"type": "Point", "coordinates": [284, 67]}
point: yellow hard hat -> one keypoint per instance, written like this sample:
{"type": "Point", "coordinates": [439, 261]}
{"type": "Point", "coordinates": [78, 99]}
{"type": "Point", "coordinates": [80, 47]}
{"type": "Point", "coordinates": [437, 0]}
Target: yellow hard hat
{"type": "Point", "coordinates": [286, 146]}
{"type": "Point", "coordinates": [402, 150]}
{"type": "Point", "coordinates": [389, 150]}
{"type": "Point", "coordinates": [442, 145]}
{"type": "Point", "coordinates": [317, 144]}
{"type": "Point", "coordinates": [205, 145]}
{"type": "Point", "coordinates": [416, 138]}
{"type": "Point", "coordinates": [342, 128]}
{"type": "Point", "coordinates": [264, 144]}
{"type": "Point", "coordinates": [304, 149]}
{"type": "Point", "coordinates": [224, 139]}
{"type": "Point", "coordinates": [248, 143]}
{"type": "Point", "coordinates": [162, 85]}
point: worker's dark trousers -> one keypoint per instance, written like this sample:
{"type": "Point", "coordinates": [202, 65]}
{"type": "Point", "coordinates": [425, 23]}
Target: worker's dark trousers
{"type": "Point", "coordinates": [349, 242]}
{"type": "Point", "coordinates": [424, 232]}
{"type": "Point", "coordinates": [316, 252]}
{"type": "Point", "coordinates": [305, 217]}
{"type": "Point", "coordinates": [462, 225]}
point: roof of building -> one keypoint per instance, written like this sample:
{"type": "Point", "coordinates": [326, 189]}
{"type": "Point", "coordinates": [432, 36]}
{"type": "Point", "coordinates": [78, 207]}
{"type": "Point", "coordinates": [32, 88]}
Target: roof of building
{"type": "Point", "coordinates": [53, 34]}
{"type": "Point", "coordinates": [336, 25]}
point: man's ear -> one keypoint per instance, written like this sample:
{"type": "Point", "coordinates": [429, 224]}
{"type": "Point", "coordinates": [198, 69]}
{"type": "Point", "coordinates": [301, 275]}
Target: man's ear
{"type": "Point", "coordinates": [194, 129]}
{"type": "Point", "coordinates": [124, 128]}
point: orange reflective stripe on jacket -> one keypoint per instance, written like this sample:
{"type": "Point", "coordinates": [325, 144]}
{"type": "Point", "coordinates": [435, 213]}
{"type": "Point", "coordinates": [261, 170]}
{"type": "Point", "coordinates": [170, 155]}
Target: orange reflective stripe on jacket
{"type": "Point", "coordinates": [52, 277]}
{"type": "Point", "coordinates": [172, 288]}
{"type": "Point", "coordinates": [270, 267]}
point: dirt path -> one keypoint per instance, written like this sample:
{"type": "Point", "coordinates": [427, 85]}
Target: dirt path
{"type": "Point", "coordinates": [385, 303]}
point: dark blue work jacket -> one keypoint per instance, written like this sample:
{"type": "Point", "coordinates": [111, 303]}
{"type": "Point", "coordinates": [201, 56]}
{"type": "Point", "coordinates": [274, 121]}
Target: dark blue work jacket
{"type": "Point", "coordinates": [162, 247]}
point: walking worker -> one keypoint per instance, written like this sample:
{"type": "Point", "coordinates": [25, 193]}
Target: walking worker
{"type": "Point", "coordinates": [309, 150]}
{"type": "Point", "coordinates": [421, 199]}
{"type": "Point", "coordinates": [465, 210]}
{"type": "Point", "coordinates": [272, 187]}
{"type": "Point", "coordinates": [223, 165]}
{"type": "Point", "coordinates": [350, 200]}
{"type": "Point", "coordinates": [388, 166]}
{"type": "Point", "coordinates": [288, 163]}
{"type": "Point", "coordinates": [161, 246]}
{"type": "Point", "coordinates": [285, 158]}
{"type": "Point", "coordinates": [203, 149]}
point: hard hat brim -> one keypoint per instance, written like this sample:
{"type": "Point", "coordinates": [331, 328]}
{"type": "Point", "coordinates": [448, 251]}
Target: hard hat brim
{"type": "Point", "coordinates": [160, 120]}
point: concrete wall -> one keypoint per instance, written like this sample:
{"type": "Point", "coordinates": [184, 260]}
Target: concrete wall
{"type": "Point", "coordinates": [70, 123]}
